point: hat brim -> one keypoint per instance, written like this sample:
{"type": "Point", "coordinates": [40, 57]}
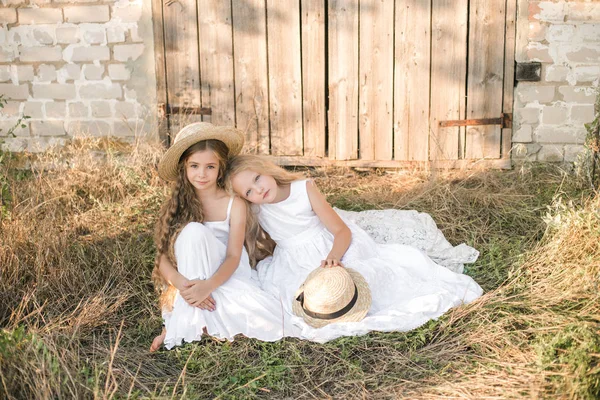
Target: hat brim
{"type": "Point", "coordinates": [232, 137]}
{"type": "Point", "coordinates": [356, 313]}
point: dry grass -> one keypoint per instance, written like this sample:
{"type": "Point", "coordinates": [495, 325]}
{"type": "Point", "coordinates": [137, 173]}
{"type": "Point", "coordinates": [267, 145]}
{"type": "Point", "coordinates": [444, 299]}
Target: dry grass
{"type": "Point", "coordinates": [77, 309]}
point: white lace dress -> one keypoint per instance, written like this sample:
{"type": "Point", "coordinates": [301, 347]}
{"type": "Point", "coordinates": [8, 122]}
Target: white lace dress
{"type": "Point", "coordinates": [408, 288]}
{"type": "Point", "coordinates": [241, 306]}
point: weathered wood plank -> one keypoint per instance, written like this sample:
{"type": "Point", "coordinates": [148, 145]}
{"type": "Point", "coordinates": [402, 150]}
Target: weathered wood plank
{"type": "Point", "coordinates": [509, 72]}
{"type": "Point", "coordinates": [250, 66]}
{"type": "Point", "coordinates": [376, 77]}
{"type": "Point", "coordinates": [181, 51]}
{"type": "Point", "coordinates": [343, 79]}
{"type": "Point", "coordinates": [159, 59]}
{"type": "Point", "coordinates": [411, 80]}
{"type": "Point", "coordinates": [216, 60]}
{"type": "Point", "coordinates": [448, 72]}
{"type": "Point", "coordinates": [485, 77]}
{"type": "Point", "coordinates": [313, 76]}
{"type": "Point", "coordinates": [285, 77]}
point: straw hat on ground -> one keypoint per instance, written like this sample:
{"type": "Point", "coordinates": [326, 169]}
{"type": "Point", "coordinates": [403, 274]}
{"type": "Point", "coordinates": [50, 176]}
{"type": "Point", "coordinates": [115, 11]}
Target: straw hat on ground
{"type": "Point", "coordinates": [329, 295]}
{"type": "Point", "coordinates": [192, 134]}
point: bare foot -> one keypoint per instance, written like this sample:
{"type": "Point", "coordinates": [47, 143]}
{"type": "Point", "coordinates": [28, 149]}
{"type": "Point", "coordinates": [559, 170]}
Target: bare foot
{"type": "Point", "coordinates": [158, 341]}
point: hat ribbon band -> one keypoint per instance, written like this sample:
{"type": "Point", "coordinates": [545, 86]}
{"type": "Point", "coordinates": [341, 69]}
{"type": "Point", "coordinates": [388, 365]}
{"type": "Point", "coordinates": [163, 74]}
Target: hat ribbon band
{"type": "Point", "coordinates": [332, 315]}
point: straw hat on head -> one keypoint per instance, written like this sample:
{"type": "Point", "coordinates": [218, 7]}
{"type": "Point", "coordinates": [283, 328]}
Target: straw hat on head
{"type": "Point", "coordinates": [329, 295]}
{"type": "Point", "coordinates": [192, 134]}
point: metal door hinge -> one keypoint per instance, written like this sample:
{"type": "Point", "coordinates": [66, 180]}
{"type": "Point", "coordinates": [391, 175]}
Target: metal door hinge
{"type": "Point", "coordinates": [505, 121]}
{"type": "Point", "coordinates": [165, 110]}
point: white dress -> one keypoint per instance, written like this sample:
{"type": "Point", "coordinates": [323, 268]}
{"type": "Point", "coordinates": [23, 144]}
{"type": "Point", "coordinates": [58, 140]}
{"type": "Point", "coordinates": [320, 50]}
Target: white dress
{"type": "Point", "coordinates": [408, 288]}
{"type": "Point", "coordinates": [241, 306]}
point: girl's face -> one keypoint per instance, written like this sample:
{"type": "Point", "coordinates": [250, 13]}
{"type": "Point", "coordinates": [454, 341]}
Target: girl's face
{"type": "Point", "coordinates": [254, 187]}
{"type": "Point", "coordinates": [202, 169]}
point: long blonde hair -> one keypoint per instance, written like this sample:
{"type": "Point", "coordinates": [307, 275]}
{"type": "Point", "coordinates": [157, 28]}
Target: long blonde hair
{"type": "Point", "coordinates": [258, 242]}
{"type": "Point", "coordinates": [180, 209]}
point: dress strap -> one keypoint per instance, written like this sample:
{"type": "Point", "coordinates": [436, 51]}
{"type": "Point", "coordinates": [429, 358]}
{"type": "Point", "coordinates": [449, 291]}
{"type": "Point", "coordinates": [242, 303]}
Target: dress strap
{"type": "Point", "coordinates": [229, 206]}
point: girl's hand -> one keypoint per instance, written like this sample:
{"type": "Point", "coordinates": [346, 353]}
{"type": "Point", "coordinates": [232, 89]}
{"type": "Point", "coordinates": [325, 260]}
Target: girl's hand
{"type": "Point", "coordinates": [331, 262]}
{"type": "Point", "coordinates": [196, 291]}
{"type": "Point", "coordinates": [209, 304]}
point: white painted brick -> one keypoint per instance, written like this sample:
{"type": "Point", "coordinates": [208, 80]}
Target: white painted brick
{"type": "Point", "coordinates": [573, 151]}
{"type": "Point", "coordinates": [101, 91]}
{"type": "Point", "coordinates": [587, 73]}
{"type": "Point", "coordinates": [6, 55]}
{"type": "Point", "coordinates": [41, 54]}
{"type": "Point", "coordinates": [579, 11]}
{"type": "Point", "coordinates": [134, 35]}
{"type": "Point", "coordinates": [550, 134]}
{"type": "Point", "coordinates": [582, 114]}
{"type": "Point", "coordinates": [560, 33]}
{"type": "Point", "coordinates": [101, 109]}
{"type": "Point", "coordinates": [77, 110]}
{"type": "Point", "coordinates": [24, 73]}
{"type": "Point", "coordinates": [8, 124]}
{"type": "Point", "coordinates": [39, 15]}
{"type": "Point", "coordinates": [532, 93]}
{"type": "Point", "coordinates": [48, 128]}
{"type": "Point", "coordinates": [589, 32]}
{"type": "Point", "coordinates": [124, 52]}
{"type": "Point", "coordinates": [69, 72]}
{"type": "Point", "coordinates": [127, 13]}
{"type": "Point", "coordinates": [92, 53]}
{"type": "Point", "coordinates": [43, 144]}
{"type": "Point", "coordinates": [119, 72]}
{"type": "Point", "coordinates": [115, 34]}
{"type": "Point", "coordinates": [4, 73]}
{"type": "Point", "coordinates": [123, 129]}
{"type": "Point", "coordinates": [46, 73]}
{"type": "Point", "coordinates": [8, 15]}
{"type": "Point", "coordinates": [56, 109]}
{"type": "Point", "coordinates": [58, 91]}
{"type": "Point", "coordinates": [527, 115]}
{"type": "Point", "coordinates": [550, 153]}
{"type": "Point", "coordinates": [93, 72]}
{"type": "Point", "coordinates": [12, 108]}
{"type": "Point", "coordinates": [538, 52]}
{"type": "Point", "coordinates": [40, 1]}
{"type": "Point", "coordinates": [12, 2]}
{"type": "Point", "coordinates": [129, 94]}
{"type": "Point", "coordinates": [586, 54]}
{"type": "Point", "coordinates": [551, 12]}
{"type": "Point", "coordinates": [78, 14]}
{"type": "Point", "coordinates": [89, 128]}
{"type": "Point", "coordinates": [537, 31]}
{"type": "Point", "coordinates": [67, 34]}
{"type": "Point", "coordinates": [557, 73]}
{"type": "Point", "coordinates": [14, 145]}
{"type": "Point", "coordinates": [125, 110]}
{"type": "Point", "coordinates": [554, 115]}
{"type": "Point", "coordinates": [17, 92]}
{"type": "Point", "coordinates": [33, 109]}
{"type": "Point", "coordinates": [577, 94]}
{"type": "Point", "coordinates": [95, 35]}
{"type": "Point", "coordinates": [523, 134]}
{"type": "Point", "coordinates": [43, 36]}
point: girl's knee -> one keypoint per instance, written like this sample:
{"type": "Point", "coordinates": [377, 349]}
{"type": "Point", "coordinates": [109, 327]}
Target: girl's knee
{"type": "Point", "coordinates": [193, 232]}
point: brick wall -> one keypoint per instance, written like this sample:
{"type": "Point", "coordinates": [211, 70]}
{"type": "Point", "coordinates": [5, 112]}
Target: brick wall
{"type": "Point", "coordinates": [550, 115]}
{"type": "Point", "coordinates": [76, 67]}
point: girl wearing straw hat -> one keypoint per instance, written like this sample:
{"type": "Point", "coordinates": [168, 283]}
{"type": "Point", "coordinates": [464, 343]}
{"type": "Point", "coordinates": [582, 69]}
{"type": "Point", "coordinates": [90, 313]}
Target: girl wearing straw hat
{"type": "Point", "coordinates": [201, 264]}
{"type": "Point", "coordinates": [386, 287]}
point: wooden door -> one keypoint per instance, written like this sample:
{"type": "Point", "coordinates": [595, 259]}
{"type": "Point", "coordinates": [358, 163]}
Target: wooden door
{"type": "Point", "coordinates": [339, 81]}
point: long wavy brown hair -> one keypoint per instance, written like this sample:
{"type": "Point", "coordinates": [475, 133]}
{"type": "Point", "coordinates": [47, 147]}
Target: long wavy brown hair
{"type": "Point", "coordinates": [180, 209]}
{"type": "Point", "coordinates": [258, 242]}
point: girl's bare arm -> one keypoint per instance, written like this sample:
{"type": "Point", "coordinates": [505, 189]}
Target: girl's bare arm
{"type": "Point", "coordinates": [170, 273]}
{"type": "Point", "coordinates": [332, 221]}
